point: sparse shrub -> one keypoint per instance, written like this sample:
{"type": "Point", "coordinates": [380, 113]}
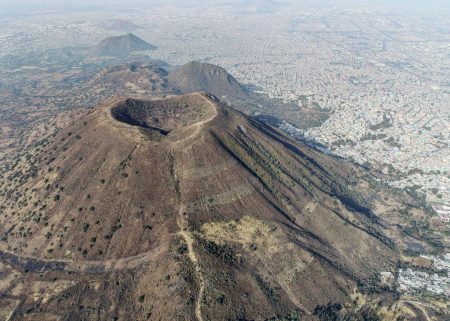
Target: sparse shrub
{"type": "Point", "coordinates": [182, 249]}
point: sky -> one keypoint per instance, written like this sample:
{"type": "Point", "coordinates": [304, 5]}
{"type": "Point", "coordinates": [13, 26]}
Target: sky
{"type": "Point", "coordinates": [10, 5]}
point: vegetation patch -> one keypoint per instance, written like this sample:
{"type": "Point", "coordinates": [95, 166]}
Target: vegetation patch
{"type": "Point", "coordinates": [248, 231]}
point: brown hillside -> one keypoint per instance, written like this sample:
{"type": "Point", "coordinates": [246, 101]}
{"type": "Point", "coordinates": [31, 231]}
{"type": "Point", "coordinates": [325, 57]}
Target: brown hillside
{"type": "Point", "coordinates": [183, 209]}
{"type": "Point", "coordinates": [196, 76]}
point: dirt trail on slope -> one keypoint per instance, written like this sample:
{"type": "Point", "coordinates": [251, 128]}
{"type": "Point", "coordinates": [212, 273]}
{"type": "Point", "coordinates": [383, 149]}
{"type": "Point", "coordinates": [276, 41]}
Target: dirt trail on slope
{"type": "Point", "coordinates": [419, 306]}
{"type": "Point", "coordinates": [187, 236]}
{"type": "Point", "coordinates": [199, 125]}
{"type": "Point", "coordinates": [34, 264]}
{"type": "Point", "coordinates": [182, 220]}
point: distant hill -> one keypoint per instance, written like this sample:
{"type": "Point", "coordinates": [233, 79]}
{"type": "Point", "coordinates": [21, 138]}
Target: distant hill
{"type": "Point", "coordinates": [195, 76]}
{"type": "Point", "coordinates": [120, 46]}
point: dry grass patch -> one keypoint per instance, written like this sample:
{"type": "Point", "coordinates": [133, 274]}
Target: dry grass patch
{"type": "Point", "coordinates": [266, 243]}
{"type": "Point", "coordinates": [247, 231]}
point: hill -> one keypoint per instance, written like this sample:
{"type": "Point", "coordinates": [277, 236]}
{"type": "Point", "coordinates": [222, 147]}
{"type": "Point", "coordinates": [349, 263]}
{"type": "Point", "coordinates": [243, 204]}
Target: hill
{"type": "Point", "coordinates": [129, 80]}
{"type": "Point", "coordinates": [185, 200]}
{"type": "Point", "coordinates": [195, 77]}
{"type": "Point", "coordinates": [120, 46]}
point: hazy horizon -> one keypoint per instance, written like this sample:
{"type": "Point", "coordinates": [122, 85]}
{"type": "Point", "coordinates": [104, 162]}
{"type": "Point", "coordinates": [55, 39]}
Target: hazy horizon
{"type": "Point", "coordinates": [85, 4]}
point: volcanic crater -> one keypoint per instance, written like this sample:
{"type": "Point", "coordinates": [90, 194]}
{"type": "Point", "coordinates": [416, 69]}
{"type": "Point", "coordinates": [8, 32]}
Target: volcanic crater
{"type": "Point", "coordinates": [164, 116]}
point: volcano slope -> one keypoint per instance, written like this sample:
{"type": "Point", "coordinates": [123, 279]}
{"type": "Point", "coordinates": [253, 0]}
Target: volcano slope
{"type": "Point", "coordinates": [196, 76]}
{"type": "Point", "coordinates": [184, 209]}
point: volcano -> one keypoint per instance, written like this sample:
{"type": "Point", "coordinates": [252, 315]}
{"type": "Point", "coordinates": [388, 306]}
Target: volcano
{"type": "Point", "coordinates": [185, 209]}
{"type": "Point", "coordinates": [204, 77]}
{"type": "Point", "coordinates": [120, 46]}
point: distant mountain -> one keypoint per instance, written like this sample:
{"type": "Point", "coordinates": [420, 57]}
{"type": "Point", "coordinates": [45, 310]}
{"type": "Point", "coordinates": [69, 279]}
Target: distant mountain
{"type": "Point", "coordinates": [195, 76]}
{"type": "Point", "coordinates": [120, 46]}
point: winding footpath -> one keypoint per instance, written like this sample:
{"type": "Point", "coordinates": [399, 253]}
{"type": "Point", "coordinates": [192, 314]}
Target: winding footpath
{"type": "Point", "coordinates": [34, 264]}
{"type": "Point", "coordinates": [182, 220]}
{"type": "Point", "coordinates": [419, 306]}
{"type": "Point", "coordinates": [189, 240]}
